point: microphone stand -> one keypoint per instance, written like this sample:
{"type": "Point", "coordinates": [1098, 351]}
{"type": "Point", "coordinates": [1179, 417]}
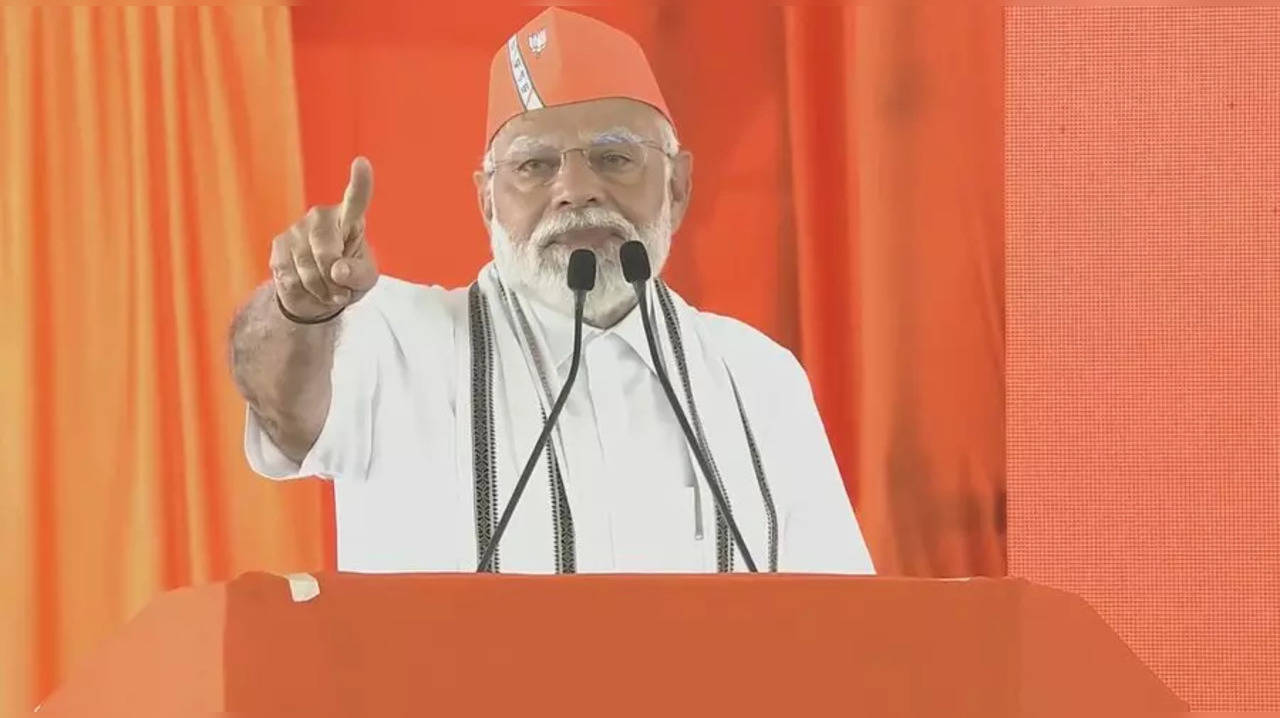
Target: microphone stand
{"type": "Point", "coordinates": [635, 265]}
{"type": "Point", "coordinates": [581, 280]}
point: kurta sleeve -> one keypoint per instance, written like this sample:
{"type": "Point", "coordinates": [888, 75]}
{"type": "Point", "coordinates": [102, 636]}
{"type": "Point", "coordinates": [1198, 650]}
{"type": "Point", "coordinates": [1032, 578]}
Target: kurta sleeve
{"type": "Point", "coordinates": [820, 533]}
{"type": "Point", "coordinates": [344, 447]}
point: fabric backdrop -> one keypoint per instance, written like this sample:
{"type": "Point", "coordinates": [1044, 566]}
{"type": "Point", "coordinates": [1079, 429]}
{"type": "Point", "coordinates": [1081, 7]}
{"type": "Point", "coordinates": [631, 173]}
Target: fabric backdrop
{"type": "Point", "coordinates": [147, 153]}
{"type": "Point", "coordinates": [847, 202]}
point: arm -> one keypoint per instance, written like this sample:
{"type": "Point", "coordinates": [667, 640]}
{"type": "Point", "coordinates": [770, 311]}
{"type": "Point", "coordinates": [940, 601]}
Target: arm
{"type": "Point", "coordinates": [319, 266]}
{"type": "Point", "coordinates": [282, 369]}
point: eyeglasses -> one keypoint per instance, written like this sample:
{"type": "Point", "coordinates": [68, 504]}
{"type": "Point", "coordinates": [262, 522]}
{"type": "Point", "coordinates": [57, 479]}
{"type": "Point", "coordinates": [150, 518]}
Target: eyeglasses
{"type": "Point", "coordinates": [621, 163]}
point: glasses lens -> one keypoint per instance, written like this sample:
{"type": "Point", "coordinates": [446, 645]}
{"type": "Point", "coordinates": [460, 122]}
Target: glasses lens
{"type": "Point", "coordinates": [534, 169]}
{"type": "Point", "coordinates": [617, 161]}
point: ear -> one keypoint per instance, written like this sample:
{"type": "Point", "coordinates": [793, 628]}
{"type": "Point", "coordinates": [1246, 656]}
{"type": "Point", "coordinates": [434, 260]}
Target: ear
{"type": "Point", "coordinates": [483, 197]}
{"type": "Point", "coordinates": [680, 186]}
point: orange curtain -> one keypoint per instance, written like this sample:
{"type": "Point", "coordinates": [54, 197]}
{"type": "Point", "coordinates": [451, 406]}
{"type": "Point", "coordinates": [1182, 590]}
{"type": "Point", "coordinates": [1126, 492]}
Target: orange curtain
{"type": "Point", "coordinates": [893, 118]}
{"type": "Point", "coordinates": [929, 108]}
{"type": "Point", "coordinates": [821, 121]}
{"type": "Point", "coordinates": [148, 155]}
{"type": "Point", "coordinates": [847, 202]}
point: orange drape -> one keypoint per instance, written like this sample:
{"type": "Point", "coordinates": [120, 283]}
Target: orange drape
{"type": "Point", "coordinates": [847, 202]}
{"type": "Point", "coordinates": [146, 153]}
{"type": "Point", "coordinates": [894, 127]}
{"type": "Point", "coordinates": [928, 94]}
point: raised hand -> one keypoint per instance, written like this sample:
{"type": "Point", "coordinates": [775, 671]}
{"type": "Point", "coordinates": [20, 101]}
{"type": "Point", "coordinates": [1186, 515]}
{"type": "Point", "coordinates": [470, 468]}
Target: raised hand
{"type": "Point", "coordinates": [323, 262]}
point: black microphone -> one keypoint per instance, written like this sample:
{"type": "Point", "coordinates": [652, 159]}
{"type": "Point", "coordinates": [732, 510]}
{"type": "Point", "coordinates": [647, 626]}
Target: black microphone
{"type": "Point", "coordinates": [635, 269]}
{"type": "Point", "coordinates": [581, 279]}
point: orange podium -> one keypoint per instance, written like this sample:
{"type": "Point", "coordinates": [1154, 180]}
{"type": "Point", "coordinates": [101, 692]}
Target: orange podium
{"type": "Point", "coordinates": [451, 644]}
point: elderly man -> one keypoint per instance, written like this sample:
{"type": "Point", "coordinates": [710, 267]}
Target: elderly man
{"type": "Point", "coordinates": [423, 404]}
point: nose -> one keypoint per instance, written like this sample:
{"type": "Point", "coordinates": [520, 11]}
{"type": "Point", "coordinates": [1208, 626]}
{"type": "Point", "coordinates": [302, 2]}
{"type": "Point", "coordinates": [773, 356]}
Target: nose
{"type": "Point", "coordinates": [577, 185]}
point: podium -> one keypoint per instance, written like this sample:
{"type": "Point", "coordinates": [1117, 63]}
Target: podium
{"type": "Point", "coordinates": [758, 645]}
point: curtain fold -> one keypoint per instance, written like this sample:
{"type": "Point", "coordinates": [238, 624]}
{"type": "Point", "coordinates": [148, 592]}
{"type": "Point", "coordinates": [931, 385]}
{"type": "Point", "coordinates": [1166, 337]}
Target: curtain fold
{"type": "Point", "coordinates": [823, 171]}
{"type": "Point", "coordinates": [928, 94]}
{"type": "Point", "coordinates": [149, 154]}
{"type": "Point", "coordinates": [894, 122]}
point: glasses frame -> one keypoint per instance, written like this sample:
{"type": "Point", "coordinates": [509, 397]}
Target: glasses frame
{"type": "Point", "coordinates": [581, 148]}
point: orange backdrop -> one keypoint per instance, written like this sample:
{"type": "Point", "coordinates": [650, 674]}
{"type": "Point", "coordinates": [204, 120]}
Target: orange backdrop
{"type": "Point", "coordinates": [847, 202]}
{"type": "Point", "coordinates": [146, 153]}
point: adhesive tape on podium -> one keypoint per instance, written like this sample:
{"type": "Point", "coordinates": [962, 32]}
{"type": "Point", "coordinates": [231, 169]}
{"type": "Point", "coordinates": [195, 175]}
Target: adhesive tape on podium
{"type": "Point", "coordinates": [302, 586]}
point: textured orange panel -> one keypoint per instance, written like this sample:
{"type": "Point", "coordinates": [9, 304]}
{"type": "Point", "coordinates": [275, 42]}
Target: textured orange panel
{"type": "Point", "coordinates": [1143, 298]}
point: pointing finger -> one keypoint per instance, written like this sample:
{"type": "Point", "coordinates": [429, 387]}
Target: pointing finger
{"type": "Point", "coordinates": [355, 200]}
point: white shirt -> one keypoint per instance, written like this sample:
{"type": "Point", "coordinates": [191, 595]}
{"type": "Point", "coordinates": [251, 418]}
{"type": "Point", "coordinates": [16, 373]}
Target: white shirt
{"type": "Point", "coordinates": [389, 443]}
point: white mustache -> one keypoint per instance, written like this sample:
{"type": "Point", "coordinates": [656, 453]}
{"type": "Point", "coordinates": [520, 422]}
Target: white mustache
{"type": "Point", "coordinates": [589, 218]}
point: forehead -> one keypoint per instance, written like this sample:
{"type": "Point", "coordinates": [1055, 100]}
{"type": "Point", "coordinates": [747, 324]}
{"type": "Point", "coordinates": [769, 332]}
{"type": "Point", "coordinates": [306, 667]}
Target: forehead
{"type": "Point", "coordinates": [579, 121]}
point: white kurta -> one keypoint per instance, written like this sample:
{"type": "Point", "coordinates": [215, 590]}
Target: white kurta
{"type": "Point", "coordinates": [396, 442]}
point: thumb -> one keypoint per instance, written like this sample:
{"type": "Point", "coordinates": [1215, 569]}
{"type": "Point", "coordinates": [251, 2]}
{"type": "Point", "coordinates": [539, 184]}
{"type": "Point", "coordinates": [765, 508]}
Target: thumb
{"type": "Point", "coordinates": [355, 273]}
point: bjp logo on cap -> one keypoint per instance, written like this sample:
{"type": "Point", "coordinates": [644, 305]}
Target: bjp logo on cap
{"type": "Point", "coordinates": [538, 41]}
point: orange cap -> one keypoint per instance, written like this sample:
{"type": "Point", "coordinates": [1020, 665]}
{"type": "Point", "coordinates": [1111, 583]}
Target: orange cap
{"type": "Point", "coordinates": [560, 57]}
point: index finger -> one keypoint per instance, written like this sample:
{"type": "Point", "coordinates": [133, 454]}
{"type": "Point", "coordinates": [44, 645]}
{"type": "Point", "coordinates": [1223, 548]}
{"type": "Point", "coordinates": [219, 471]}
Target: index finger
{"type": "Point", "coordinates": [355, 200]}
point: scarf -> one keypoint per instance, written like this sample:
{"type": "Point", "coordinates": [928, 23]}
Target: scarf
{"type": "Point", "coordinates": [512, 386]}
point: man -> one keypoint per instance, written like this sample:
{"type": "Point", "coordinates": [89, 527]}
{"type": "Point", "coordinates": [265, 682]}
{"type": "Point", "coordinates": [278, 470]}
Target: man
{"type": "Point", "coordinates": [422, 404]}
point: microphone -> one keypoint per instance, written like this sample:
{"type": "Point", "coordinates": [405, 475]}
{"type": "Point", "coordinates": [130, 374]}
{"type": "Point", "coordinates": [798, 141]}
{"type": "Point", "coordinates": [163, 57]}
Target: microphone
{"type": "Point", "coordinates": [581, 279]}
{"type": "Point", "coordinates": [635, 269]}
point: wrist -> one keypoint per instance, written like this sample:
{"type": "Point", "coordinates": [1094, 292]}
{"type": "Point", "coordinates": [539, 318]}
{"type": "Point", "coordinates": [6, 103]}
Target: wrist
{"type": "Point", "coordinates": [304, 320]}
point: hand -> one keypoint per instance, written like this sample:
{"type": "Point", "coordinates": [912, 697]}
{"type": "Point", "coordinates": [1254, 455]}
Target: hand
{"type": "Point", "coordinates": [323, 263]}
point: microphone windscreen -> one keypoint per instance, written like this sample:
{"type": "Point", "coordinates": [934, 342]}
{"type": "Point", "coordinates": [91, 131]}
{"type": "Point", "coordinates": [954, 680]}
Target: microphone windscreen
{"type": "Point", "coordinates": [582, 270]}
{"type": "Point", "coordinates": [635, 262]}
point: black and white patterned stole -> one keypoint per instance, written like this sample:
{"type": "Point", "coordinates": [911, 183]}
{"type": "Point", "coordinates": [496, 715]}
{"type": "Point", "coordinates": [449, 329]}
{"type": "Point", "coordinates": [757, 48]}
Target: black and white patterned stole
{"type": "Point", "coordinates": [484, 436]}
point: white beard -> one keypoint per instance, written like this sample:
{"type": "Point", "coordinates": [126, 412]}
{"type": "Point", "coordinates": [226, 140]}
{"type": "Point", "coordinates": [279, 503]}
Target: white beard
{"type": "Point", "coordinates": [538, 269]}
